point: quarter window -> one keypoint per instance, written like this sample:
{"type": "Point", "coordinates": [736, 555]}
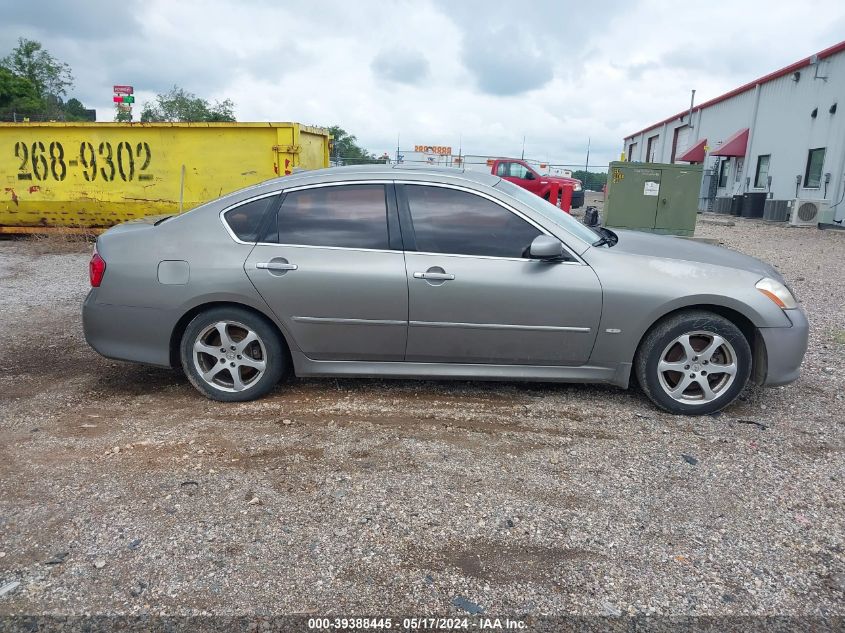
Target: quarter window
{"type": "Point", "coordinates": [462, 223]}
{"type": "Point", "coordinates": [813, 173]}
{"type": "Point", "coordinates": [245, 219]}
{"type": "Point", "coordinates": [761, 175]}
{"type": "Point", "coordinates": [348, 216]}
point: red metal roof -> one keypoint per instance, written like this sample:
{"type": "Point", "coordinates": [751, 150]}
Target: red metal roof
{"type": "Point", "coordinates": [694, 154]}
{"type": "Point", "coordinates": [735, 145]}
{"type": "Point", "coordinates": [786, 70]}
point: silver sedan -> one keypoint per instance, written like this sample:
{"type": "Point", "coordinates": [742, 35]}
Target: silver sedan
{"type": "Point", "coordinates": [437, 274]}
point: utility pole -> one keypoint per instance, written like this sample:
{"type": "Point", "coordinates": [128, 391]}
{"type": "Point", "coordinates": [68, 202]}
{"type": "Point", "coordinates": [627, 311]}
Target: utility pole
{"type": "Point", "coordinates": [397, 148]}
{"type": "Point", "coordinates": [522, 156]}
{"type": "Point", "coordinates": [460, 149]}
{"type": "Point", "coordinates": [691, 104]}
{"type": "Point", "coordinates": [587, 163]}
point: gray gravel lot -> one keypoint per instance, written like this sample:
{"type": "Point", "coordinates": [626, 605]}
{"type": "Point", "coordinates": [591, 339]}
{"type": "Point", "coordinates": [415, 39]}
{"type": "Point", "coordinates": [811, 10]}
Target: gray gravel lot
{"type": "Point", "coordinates": [122, 490]}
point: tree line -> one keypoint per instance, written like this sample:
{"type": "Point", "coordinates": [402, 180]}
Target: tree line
{"type": "Point", "coordinates": [34, 85]}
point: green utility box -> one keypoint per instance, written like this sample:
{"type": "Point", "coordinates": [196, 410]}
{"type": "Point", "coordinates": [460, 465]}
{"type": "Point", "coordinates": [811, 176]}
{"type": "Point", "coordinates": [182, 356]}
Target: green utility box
{"type": "Point", "coordinates": [654, 197]}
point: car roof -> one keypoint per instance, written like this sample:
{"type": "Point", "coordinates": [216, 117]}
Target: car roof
{"type": "Point", "coordinates": [379, 172]}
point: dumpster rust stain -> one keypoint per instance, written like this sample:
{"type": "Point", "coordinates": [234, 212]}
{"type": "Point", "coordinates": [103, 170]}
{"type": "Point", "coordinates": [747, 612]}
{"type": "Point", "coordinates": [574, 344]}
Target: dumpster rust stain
{"type": "Point", "coordinates": [34, 188]}
{"type": "Point", "coordinates": [14, 195]}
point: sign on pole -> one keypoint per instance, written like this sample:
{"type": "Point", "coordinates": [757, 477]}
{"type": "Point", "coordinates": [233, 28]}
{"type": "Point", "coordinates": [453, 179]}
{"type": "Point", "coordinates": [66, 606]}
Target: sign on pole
{"type": "Point", "coordinates": [123, 100]}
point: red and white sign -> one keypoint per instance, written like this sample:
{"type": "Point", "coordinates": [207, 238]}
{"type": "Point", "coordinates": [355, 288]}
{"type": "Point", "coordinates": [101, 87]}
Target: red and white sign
{"type": "Point", "coordinates": [124, 90]}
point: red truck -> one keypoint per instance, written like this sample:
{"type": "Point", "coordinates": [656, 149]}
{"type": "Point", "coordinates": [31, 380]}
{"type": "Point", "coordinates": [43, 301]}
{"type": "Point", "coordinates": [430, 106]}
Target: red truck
{"type": "Point", "coordinates": [521, 173]}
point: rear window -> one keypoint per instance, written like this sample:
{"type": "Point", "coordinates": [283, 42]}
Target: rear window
{"type": "Point", "coordinates": [245, 219]}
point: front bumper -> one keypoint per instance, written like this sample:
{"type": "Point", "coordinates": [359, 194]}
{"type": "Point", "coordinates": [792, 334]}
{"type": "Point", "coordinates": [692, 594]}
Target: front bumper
{"type": "Point", "coordinates": [577, 199]}
{"type": "Point", "coordinates": [785, 348]}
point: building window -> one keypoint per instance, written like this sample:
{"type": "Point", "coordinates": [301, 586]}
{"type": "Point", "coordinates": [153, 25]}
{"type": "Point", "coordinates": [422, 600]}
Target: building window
{"type": "Point", "coordinates": [631, 148]}
{"type": "Point", "coordinates": [723, 173]}
{"type": "Point", "coordinates": [739, 163]}
{"type": "Point", "coordinates": [761, 176]}
{"type": "Point", "coordinates": [813, 173]}
{"type": "Point", "coordinates": [651, 149]}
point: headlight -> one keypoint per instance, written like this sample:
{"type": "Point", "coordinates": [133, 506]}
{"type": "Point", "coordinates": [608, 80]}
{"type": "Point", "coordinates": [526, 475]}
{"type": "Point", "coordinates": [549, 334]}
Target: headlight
{"type": "Point", "coordinates": [577, 186]}
{"type": "Point", "coordinates": [777, 292]}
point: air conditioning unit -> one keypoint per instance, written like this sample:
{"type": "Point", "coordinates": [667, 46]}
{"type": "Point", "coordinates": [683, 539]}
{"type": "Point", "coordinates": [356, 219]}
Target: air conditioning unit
{"type": "Point", "coordinates": [777, 210]}
{"type": "Point", "coordinates": [807, 212]}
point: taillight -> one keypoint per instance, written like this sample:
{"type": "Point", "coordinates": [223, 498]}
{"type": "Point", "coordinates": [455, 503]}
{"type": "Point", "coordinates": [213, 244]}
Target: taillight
{"type": "Point", "coordinates": [96, 269]}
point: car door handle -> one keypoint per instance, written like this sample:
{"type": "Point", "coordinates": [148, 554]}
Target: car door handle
{"type": "Point", "coordinates": [434, 276]}
{"type": "Point", "coordinates": [276, 266]}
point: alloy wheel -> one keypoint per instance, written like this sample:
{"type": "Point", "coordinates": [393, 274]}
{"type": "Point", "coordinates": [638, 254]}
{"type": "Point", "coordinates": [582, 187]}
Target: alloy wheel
{"type": "Point", "coordinates": [697, 368]}
{"type": "Point", "coordinates": [229, 356]}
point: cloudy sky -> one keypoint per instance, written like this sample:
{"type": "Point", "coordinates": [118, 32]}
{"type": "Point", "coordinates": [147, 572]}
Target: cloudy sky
{"type": "Point", "coordinates": [481, 75]}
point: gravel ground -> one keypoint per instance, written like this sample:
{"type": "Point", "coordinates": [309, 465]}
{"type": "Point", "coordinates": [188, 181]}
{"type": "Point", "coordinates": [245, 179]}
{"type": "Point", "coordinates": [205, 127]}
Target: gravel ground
{"type": "Point", "coordinates": [122, 490]}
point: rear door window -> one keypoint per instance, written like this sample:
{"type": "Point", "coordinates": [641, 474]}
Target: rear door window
{"type": "Point", "coordinates": [344, 216]}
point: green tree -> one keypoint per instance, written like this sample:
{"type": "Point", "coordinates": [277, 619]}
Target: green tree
{"type": "Point", "coordinates": [345, 148]}
{"type": "Point", "coordinates": [18, 94]}
{"type": "Point", "coordinates": [31, 60]}
{"type": "Point", "coordinates": [33, 82]}
{"type": "Point", "coordinates": [75, 111]}
{"type": "Point", "coordinates": [593, 180]}
{"type": "Point", "coordinates": [180, 105]}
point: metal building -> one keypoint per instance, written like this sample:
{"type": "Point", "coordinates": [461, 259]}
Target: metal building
{"type": "Point", "coordinates": [779, 139]}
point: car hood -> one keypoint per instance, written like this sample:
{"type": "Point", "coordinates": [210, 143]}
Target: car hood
{"type": "Point", "coordinates": [670, 247]}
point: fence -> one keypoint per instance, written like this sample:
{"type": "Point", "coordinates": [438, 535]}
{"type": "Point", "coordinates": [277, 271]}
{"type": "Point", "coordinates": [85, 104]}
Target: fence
{"type": "Point", "coordinates": [592, 180]}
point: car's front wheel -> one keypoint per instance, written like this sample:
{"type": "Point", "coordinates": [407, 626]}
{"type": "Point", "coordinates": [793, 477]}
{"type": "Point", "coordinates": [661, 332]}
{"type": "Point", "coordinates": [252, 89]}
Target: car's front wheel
{"type": "Point", "coordinates": [693, 363]}
{"type": "Point", "coordinates": [232, 354]}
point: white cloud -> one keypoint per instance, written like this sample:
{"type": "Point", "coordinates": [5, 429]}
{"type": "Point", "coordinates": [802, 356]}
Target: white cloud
{"type": "Point", "coordinates": [469, 73]}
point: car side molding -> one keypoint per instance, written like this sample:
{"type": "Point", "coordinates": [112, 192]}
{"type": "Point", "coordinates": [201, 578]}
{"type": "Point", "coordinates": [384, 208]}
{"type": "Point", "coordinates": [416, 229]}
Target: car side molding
{"type": "Point", "coordinates": [617, 375]}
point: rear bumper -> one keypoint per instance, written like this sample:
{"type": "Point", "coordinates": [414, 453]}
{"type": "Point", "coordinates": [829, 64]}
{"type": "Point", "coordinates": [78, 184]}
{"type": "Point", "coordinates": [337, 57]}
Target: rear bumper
{"type": "Point", "coordinates": [128, 333]}
{"type": "Point", "coordinates": [785, 348]}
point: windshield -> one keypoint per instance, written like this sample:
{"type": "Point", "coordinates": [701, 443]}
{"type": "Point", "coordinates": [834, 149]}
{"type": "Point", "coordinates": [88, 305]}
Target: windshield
{"type": "Point", "coordinates": [548, 210]}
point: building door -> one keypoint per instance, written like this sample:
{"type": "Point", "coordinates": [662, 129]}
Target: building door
{"type": "Point", "coordinates": [680, 140]}
{"type": "Point", "coordinates": [651, 149]}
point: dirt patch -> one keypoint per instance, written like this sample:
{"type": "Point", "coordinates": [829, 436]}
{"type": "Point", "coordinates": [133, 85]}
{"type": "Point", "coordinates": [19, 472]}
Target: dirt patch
{"type": "Point", "coordinates": [504, 561]}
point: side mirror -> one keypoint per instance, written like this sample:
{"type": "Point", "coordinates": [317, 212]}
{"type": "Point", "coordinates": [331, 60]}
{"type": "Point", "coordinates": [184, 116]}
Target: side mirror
{"type": "Point", "coordinates": [529, 176]}
{"type": "Point", "coordinates": [546, 247]}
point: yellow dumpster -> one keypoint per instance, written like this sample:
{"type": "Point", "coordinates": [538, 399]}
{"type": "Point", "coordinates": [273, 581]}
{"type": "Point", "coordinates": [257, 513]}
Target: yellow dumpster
{"type": "Point", "coordinates": [99, 174]}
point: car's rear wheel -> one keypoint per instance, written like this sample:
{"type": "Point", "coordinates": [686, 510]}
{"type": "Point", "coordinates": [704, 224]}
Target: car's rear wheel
{"type": "Point", "coordinates": [232, 354]}
{"type": "Point", "coordinates": [693, 363]}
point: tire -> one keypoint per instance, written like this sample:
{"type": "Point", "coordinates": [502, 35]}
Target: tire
{"type": "Point", "coordinates": [679, 354]}
{"type": "Point", "coordinates": [249, 361]}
